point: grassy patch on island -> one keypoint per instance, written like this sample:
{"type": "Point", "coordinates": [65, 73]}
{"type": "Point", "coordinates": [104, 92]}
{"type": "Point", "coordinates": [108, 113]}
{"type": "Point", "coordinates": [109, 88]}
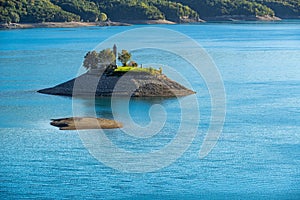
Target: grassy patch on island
{"type": "Point", "coordinates": [149, 70]}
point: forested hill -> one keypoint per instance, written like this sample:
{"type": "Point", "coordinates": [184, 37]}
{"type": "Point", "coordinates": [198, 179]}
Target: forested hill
{"type": "Point", "coordinates": [30, 11]}
{"type": "Point", "coordinates": [213, 8]}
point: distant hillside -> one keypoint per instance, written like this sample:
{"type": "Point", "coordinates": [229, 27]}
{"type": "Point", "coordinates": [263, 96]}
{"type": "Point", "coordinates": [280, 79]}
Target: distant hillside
{"type": "Point", "coordinates": [31, 11]}
{"type": "Point", "coordinates": [212, 8]}
{"type": "Point", "coordinates": [86, 10]}
{"type": "Point", "coordinates": [283, 9]}
{"type": "Point", "coordinates": [25, 11]}
{"type": "Point", "coordinates": [146, 10]}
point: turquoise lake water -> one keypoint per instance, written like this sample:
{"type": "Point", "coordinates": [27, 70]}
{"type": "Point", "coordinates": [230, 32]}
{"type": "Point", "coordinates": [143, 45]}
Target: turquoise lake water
{"type": "Point", "coordinates": [256, 157]}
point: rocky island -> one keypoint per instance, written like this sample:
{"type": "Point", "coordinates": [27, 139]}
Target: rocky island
{"type": "Point", "coordinates": [104, 79]}
{"type": "Point", "coordinates": [136, 84]}
{"type": "Point", "coordinates": [77, 123]}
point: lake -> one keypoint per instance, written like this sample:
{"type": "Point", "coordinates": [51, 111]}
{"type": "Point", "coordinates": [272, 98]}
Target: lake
{"type": "Point", "coordinates": [256, 156]}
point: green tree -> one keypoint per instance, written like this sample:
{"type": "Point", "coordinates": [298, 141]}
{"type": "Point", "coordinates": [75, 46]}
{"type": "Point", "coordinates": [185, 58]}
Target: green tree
{"type": "Point", "coordinates": [103, 17]}
{"type": "Point", "coordinates": [94, 60]}
{"type": "Point", "coordinates": [91, 60]}
{"type": "Point", "coordinates": [14, 17]}
{"type": "Point", "coordinates": [106, 57]}
{"type": "Point", "coordinates": [124, 57]}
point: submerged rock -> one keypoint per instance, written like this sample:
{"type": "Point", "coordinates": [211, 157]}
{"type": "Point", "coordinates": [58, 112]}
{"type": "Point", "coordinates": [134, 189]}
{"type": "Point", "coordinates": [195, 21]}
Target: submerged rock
{"type": "Point", "coordinates": [77, 123]}
{"type": "Point", "coordinates": [136, 84]}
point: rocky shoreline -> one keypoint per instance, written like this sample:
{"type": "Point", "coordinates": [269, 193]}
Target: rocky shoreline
{"type": "Point", "coordinates": [131, 22]}
{"type": "Point", "coordinates": [231, 18]}
{"type": "Point", "coordinates": [135, 84]}
{"type": "Point", "coordinates": [59, 25]}
{"type": "Point", "coordinates": [80, 24]}
{"type": "Point", "coordinates": [159, 21]}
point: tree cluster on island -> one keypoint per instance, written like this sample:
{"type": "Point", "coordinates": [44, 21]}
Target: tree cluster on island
{"type": "Point", "coordinates": [32, 11]}
{"type": "Point", "coordinates": [106, 61]}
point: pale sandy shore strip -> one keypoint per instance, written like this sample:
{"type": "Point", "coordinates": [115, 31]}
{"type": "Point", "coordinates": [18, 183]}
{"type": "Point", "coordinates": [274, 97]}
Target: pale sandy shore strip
{"type": "Point", "coordinates": [59, 25]}
{"type": "Point", "coordinates": [130, 22]}
{"type": "Point", "coordinates": [80, 24]}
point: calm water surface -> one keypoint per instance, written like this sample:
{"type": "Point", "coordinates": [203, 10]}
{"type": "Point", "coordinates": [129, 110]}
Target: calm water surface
{"type": "Point", "coordinates": [257, 155]}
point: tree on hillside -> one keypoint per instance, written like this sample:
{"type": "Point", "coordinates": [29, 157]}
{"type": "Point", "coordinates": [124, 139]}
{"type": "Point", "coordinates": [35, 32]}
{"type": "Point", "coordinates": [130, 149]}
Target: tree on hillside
{"type": "Point", "coordinates": [124, 57]}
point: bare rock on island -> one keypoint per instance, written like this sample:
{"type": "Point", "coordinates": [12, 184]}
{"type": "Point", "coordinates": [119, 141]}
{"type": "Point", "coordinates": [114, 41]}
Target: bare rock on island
{"type": "Point", "coordinates": [77, 123]}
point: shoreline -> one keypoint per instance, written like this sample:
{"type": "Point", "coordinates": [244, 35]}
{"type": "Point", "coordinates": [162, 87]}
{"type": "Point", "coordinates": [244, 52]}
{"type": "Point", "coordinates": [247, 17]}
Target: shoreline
{"type": "Point", "coordinates": [80, 24]}
{"type": "Point", "coordinates": [135, 22]}
{"type": "Point", "coordinates": [147, 22]}
{"type": "Point", "coordinates": [60, 25]}
{"type": "Point", "coordinates": [241, 18]}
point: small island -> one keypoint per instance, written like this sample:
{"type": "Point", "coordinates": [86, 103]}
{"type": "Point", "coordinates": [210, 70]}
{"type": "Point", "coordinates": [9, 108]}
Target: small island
{"type": "Point", "coordinates": [78, 123]}
{"type": "Point", "coordinates": [104, 78]}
